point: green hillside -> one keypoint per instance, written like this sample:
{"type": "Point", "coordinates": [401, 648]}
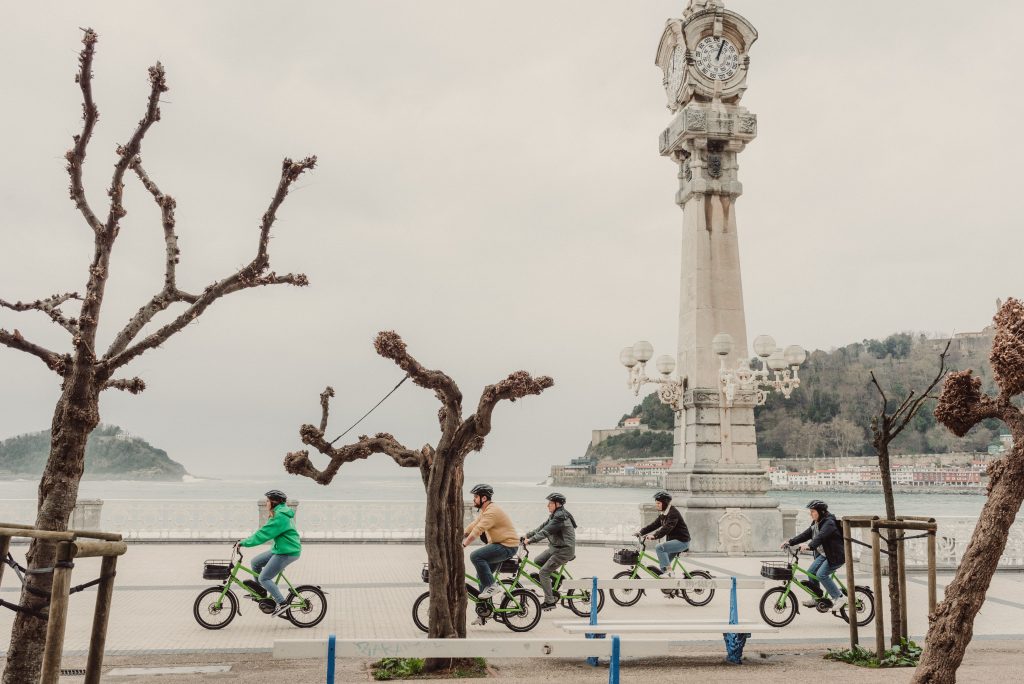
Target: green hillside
{"type": "Point", "coordinates": [110, 454]}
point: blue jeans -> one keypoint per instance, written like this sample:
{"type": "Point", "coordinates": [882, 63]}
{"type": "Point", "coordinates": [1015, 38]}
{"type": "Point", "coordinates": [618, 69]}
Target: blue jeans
{"type": "Point", "coordinates": [270, 565]}
{"type": "Point", "coordinates": [486, 560]}
{"type": "Point", "coordinates": [667, 549]}
{"type": "Point", "coordinates": [823, 571]}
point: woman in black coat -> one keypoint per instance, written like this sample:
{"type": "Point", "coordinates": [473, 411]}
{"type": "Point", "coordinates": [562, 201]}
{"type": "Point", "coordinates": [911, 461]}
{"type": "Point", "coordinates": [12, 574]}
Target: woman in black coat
{"type": "Point", "coordinates": [824, 538]}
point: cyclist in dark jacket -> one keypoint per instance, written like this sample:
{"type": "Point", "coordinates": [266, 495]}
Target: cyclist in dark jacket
{"type": "Point", "coordinates": [670, 524]}
{"type": "Point", "coordinates": [825, 540]}
{"type": "Point", "coordinates": [560, 531]}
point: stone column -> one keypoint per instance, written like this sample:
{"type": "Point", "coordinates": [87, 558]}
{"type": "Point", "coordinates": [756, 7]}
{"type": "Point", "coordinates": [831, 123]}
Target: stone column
{"type": "Point", "coordinates": [86, 515]}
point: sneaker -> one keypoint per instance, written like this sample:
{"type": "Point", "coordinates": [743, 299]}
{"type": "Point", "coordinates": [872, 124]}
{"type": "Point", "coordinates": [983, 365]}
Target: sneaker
{"type": "Point", "coordinates": [549, 605]}
{"type": "Point", "coordinates": [839, 603]}
{"type": "Point", "coordinates": [492, 590]}
{"type": "Point", "coordinates": [809, 603]}
{"type": "Point", "coordinates": [280, 610]}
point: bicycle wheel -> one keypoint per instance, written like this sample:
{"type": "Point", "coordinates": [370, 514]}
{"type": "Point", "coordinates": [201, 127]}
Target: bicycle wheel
{"type": "Point", "coordinates": [699, 597]}
{"type": "Point", "coordinates": [211, 611]}
{"type": "Point", "coordinates": [579, 601]}
{"type": "Point", "coordinates": [778, 610]}
{"type": "Point", "coordinates": [308, 607]}
{"type": "Point", "coordinates": [865, 607]}
{"type": "Point", "coordinates": [524, 617]}
{"type": "Point", "coordinates": [626, 597]}
{"type": "Point", "coordinates": [421, 611]}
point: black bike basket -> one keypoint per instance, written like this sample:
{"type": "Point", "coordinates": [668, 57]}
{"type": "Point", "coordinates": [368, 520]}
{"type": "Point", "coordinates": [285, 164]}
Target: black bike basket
{"type": "Point", "coordinates": [425, 573]}
{"type": "Point", "coordinates": [216, 569]}
{"type": "Point", "coordinates": [509, 567]}
{"type": "Point", "coordinates": [626, 557]}
{"type": "Point", "coordinates": [776, 570]}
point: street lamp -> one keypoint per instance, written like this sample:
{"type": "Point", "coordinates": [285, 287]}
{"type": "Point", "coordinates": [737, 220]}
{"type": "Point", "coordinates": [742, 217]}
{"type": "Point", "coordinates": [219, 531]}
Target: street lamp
{"type": "Point", "coordinates": [635, 358]}
{"type": "Point", "coordinates": [778, 370]}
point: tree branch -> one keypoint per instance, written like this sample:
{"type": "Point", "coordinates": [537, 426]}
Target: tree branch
{"type": "Point", "coordinates": [298, 462]}
{"type": "Point", "coordinates": [885, 401]}
{"type": "Point", "coordinates": [516, 386]}
{"type": "Point", "coordinates": [1007, 355]}
{"type": "Point", "coordinates": [962, 405]}
{"type": "Point", "coordinates": [76, 155]}
{"type": "Point", "coordinates": [391, 346]}
{"type": "Point", "coordinates": [127, 153]}
{"type": "Point", "coordinates": [132, 386]}
{"type": "Point", "coordinates": [53, 361]}
{"type": "Point", "coordinates": [51, 307]}
{"type": "Point", "coordinates": [325, 400]}
{"type": "Point", "coordinates": [249, 276]}
{"type": "Point", "coordinates": [915, 407]}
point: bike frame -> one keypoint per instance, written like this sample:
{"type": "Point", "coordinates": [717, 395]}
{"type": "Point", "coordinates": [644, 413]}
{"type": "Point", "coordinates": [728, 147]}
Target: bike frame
{"type": "Point", "coordinates": [233, 579]}
{"type": "Point", "coordinates": [794, 566]}
{"type": "Point", "coordinates": [506, 586]}
{"type": "Point", "coordinates": [677, 564]}
{"type": "Point", "coordinates": [556, 578]}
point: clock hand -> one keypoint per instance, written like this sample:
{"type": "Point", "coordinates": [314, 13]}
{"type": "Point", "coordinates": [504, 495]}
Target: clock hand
{"type": "Point", "coordinates": [721, 46]}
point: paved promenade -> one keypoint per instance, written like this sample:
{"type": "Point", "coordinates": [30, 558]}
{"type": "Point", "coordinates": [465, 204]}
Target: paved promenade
{"type": "Point", "coordinates": [371, 588]}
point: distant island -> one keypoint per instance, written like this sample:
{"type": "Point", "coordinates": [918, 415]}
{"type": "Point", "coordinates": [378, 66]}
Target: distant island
{"type": "Point", "coordinates": [110, 454]}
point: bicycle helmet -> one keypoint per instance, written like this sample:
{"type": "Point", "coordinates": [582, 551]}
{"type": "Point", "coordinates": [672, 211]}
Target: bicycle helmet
{"type": "Point", "coordinates": [556, 497]}
{"type": "Point", "coordinates": [483, 490]}
{"type": "Point", "coordinates": [818, 505]}
{"type": "Point", "coordinates": [276, 495]}
{"type": "Point", "coordinates": [662, 496]}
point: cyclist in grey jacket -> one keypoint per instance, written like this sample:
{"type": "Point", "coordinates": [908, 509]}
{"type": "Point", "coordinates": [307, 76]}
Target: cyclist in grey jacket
{"type": "Point", "coordinates": [560, 531]}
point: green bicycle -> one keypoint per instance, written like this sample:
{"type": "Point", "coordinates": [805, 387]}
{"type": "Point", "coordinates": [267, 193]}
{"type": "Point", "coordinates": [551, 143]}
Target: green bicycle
{"type": "Point", "coordinates": [636, 557]}
{"type": "Point", "coordinates": [779, 605]}
{"type": "Point", "coordinates": [519, 609]}
{"type": "Point", "coordinates": [576, 600]}
{"type": "Point", "coordinates": [216, 607]}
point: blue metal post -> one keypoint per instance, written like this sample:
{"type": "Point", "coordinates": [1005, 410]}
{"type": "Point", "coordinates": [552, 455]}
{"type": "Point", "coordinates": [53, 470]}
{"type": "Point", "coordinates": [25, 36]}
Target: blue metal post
{"type": "Point", "coordinates": [734, 642]}
{"type": "Point", "coordinates": [613, 664]}
{"type": "Point", "coordinates": [734, 616]}
{"type": "Point", "coordinates": [330, 659]}
{"type": "Point", "coordinates": [593, 618]}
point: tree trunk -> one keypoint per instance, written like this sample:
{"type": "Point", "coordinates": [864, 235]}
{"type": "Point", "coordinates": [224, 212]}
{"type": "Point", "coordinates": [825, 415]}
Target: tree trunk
{"type": "Point", "coordinates": [952, 625]}
{"type": "Point", "coordinates": [75, 417]}
{"type": "Point", "coordinates": [443, 542]}
{"type": "Point", "coordinates": [895, 598]}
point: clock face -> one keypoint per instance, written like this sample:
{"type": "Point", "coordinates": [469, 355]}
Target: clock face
{"type": "Point", "coordinates": [676, 71]}
{"type": "Point", "coordinates": [716, 58]}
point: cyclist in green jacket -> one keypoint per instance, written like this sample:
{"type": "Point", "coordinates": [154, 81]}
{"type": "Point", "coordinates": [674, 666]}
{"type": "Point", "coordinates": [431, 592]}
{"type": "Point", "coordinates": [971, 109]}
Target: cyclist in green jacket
{"type": "Point", "coordinates": [279, 528]}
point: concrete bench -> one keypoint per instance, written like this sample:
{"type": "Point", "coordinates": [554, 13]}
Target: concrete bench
{"type": "Point", "coordinates": [333, 648]}
{"type": "Point", "coordinates": [732, 630]}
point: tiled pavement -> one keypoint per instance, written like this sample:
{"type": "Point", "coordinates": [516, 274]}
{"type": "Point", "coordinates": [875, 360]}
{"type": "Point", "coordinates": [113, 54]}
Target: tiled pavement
{"type": "Point", "coordinates": [371, 588]}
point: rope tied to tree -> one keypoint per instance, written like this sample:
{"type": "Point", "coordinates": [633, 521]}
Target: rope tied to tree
{"type": "Point", "coordinates": [371, 410]}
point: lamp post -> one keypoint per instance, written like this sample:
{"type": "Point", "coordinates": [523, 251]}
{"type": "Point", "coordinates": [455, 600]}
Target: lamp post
{"type": "Point", "coordinates": [635, 358]}
{"type": "Point", "coordinates": [778, 369]}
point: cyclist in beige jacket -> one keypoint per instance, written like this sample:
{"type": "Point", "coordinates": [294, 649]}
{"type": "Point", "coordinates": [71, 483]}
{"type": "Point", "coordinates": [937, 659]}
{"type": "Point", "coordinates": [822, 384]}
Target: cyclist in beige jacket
{"type": "Point", "coordinates": [498, 534]}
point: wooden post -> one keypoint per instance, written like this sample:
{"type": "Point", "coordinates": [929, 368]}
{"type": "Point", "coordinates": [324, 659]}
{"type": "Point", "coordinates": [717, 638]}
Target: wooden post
{"type": "Point", "coordinates": [58, 615]}
{"type": "Point", "coordinates": [851, 589]}
{"type": "Point", "coordinates": [5, 546]}
{"type": "Point", "coordinates": [98, 639]}
{"type": "Point", "coordinates": [902, 566]}
{"type": "Point", "coordinates": [876, 569]}
{"type": "Point", "coordinates": [931, 570]}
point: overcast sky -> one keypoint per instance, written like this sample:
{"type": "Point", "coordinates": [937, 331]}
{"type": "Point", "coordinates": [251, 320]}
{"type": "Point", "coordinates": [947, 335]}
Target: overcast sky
{"type": "Point", "coordinates": [490, 187]}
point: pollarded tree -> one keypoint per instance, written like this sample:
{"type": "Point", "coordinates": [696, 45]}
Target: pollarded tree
{"type": "Point", "coordinates": [441, 469]}
{"type": "Point", "coordinates": [962, 406]}
{"type": "Point", "coordinates": [84, 372]}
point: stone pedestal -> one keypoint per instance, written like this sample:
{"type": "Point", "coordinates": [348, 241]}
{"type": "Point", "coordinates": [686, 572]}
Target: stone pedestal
{"type": "Point", "coordinates": [718, 484]}
{"type": "Point", "coordinates": [86, 515]}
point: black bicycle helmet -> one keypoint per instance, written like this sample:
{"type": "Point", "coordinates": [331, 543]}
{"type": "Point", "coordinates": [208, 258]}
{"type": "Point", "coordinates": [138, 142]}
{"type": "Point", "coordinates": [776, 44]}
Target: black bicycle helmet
{"type": "Point", "coordinates": [662, 495]}
{"type": "Point", "coordinates": [276, 495]}
{"type": "Point", "coordinates": [556, 497]}
{"type": "Point", "coordinates": [818, 505]}
{"type": "Point", "coordinates": [483, 490]}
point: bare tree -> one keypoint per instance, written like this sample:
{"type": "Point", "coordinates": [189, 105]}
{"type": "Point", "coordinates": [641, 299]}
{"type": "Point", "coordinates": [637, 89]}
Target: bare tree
{"type": "Point", "coordinates": [885, 427]}
{"type": "Point", "coordinates": [84, 372]}
{"type": "Point", "coordinates": [441, 469]}
{"type": "Point", "coordinates": [962, 406]}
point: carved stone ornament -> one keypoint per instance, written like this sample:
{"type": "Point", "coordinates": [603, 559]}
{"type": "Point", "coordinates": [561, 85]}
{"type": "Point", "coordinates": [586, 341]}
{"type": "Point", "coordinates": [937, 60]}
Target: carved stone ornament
{"type": "Point", "coordinates": [748, 124]}
{"type": "Point", "coordinates": [696, 120]}
{"type": "Point", "coordinates": [715, 165]}
{"type": "Point", "coordinates": [735, 533]}
{"type": "Point", "coordinates": [685, 172]}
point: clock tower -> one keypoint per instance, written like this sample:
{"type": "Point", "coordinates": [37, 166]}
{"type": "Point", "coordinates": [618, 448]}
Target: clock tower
{"type": "Point", "coordinates": [715, 478]}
